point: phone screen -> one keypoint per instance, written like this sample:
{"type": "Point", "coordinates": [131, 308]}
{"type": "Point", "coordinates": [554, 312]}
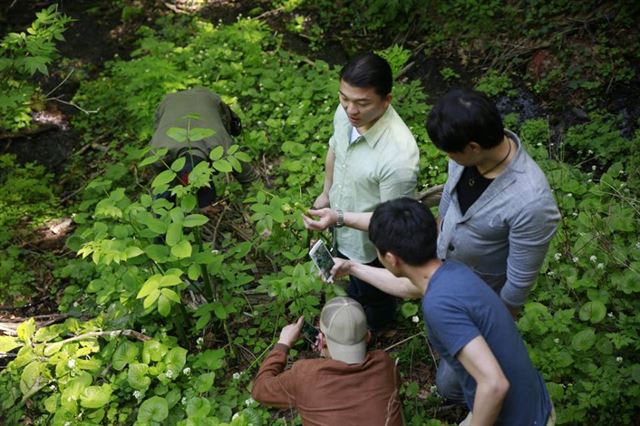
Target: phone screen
{"type": "Point", "coordinates": [322, 258]}
{"type": "Point", "coordinates": [309, 332]}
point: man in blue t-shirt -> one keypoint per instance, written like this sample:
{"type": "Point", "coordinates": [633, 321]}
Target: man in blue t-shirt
{"type": "Point", "coordinates": [465, 319]}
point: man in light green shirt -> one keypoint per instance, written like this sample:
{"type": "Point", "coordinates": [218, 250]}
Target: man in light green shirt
{"type": "Point", "coordinates": [372, 157]}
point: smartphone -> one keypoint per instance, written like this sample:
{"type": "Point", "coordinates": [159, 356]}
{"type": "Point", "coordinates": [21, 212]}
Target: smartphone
{"type": "Point", "coordinates": [323, 260]}
{"type": "Point", "coordinates": [309, 333]}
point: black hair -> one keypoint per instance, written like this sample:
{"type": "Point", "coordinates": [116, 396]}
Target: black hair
{"type": "Point", "coordinates": [405, 228]}
{"type": "Point", "coordinates": [368, 70]}
{"type": "Point", "coordinates": [462, 116]}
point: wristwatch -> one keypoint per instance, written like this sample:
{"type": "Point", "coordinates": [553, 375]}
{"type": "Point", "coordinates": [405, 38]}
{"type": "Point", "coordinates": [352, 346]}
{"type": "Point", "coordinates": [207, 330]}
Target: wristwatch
{"type": "Point", "coordinates": [340, 221]}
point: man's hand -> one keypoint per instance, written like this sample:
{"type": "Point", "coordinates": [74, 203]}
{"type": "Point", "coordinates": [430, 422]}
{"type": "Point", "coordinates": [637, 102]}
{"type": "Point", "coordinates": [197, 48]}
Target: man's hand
{"type": "Point", "coordinates": [321, 202]}
{"type": "Point", "coordinates": [291, 333]}
{"type": "Point", "coordinates": [341, 267]}
{"type": "Point", "coordinates": [326, 218]}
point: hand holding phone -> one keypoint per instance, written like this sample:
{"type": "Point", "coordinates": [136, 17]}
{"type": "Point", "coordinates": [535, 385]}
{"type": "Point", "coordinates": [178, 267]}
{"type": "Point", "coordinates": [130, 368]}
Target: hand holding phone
{"type": "Point", "coordinates": [322, 259]}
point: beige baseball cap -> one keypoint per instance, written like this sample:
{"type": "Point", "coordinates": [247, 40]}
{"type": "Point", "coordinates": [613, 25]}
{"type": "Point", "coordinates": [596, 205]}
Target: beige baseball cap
{"type": "Point", "coordinates": [344, 325]}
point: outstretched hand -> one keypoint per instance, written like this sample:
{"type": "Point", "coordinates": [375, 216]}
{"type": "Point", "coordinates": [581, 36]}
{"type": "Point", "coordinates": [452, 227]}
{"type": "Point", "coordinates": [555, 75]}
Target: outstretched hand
{"type": "Point", "coordinates": [325, 218]}
{"type": "Point", "coordinates": [291, 333]}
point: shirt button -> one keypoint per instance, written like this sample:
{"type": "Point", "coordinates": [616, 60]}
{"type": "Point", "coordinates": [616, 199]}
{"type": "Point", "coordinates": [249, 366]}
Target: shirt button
{"type": "Point", "coordinates": [451, 247]}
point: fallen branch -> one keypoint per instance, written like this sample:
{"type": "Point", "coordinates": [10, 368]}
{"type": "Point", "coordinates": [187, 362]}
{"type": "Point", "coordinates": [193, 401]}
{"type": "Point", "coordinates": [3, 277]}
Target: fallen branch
{"type": "Point", "coordinates": [402, 341]}
{"type": "Point", "coordinates": [94, 334]}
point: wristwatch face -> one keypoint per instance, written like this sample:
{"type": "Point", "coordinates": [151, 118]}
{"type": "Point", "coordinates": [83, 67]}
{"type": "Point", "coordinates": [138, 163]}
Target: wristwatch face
{"type": "Point", "coordinates": [340, 221]}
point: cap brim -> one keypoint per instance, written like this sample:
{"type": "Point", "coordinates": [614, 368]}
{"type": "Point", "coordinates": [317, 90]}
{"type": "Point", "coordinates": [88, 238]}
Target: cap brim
{"type": "Point", "coordinates": [351, 354]}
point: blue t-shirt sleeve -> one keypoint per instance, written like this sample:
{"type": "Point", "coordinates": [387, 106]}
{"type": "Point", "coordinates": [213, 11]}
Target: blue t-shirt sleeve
{"type": "Point", "coordinates": [450, 324]}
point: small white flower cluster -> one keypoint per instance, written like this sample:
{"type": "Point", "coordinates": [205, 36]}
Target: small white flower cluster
{"type": "Point", "coordinates": [600, 265]}
{"type": "Point", "coordinates": [557, 256]}
{"type": "Point", "coordinates": [249, 402]}
{"type": "Point", "coordinates": [199, 341]}
{"type": "Point", "coordinates": [71, 363]}
{"type": "Point", "coordinates": [618, 359]}
{"type": "Point", "coordinates": [137, 394]}
{"type": "Point", "coordinates": [169, 374]}
{"type": "Point", "coordinates": [575, 259]}
{"type": "Point", "coordinates": [236, 376]}
{"type": "Point", "coordinates": [186, 371]}
{"type": "Point", "coordinates": [556, 340]}
{"type": "Point", "coordinates": [593, 259]}
{"type": "Point", "coordinates": [415, 319]}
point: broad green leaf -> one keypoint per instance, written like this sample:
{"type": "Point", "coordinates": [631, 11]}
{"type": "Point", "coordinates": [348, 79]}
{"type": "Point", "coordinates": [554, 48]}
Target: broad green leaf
{"type": "Point", "coordinates": [150, 299]}
{"type": "Point", "coordinates": [126, 353]}
{"type": "Point", "coordinates": [220, 311]}
{"type": "Point", "coordinates": [149, 286]}
{"type": "Point", "coordinates": [182, 249]}
{"type": "Point", "coordinates": [153, 351]}
{"type": "Point", "coordinates": [8, 343]}
{"type": "Point", "coordinates": [177, 133]}
{"type": "Point", "coordinates": [163, 178]}
{"type": "Point", "coordinates": [193, 272]}
{"type": "Point", "coordinates": [199, 133]}
{"type": "Point", "coordinates": [51, 403]}
{"type": "Point", "coordinates": [158, 253]}
{"type": "Point", "coordinates": [216, 153]}
{"type": "Point", "coordinates": [137, 376]}
{"type": "Point", "coordinates": [198, 408]}
{"type": "Point", "coordinates": [176, 358]}
{"type": "Point", "coordinates": [33, 377]}
{"type": "Point", "coordinates": [204, 382]}
{"type": "Point", "coordinates": [174, 234]}
{"type": "Point", "coordinates": [188, 203]}
{"type": "Point", "coordinates": [133, 251]}
{"type": "Point", "coordinates": [164, 306]}
{"type": "Point", "coordinates": [178, 164]}
{"type": "Point", "coordinates": [243, 156]}
{"type": "Point", "coordinates": [408, 309]}
{"type": "Point", "coordinates": [584, 339]}
{"type": "Point", "coordinates": [170, 294]}
{"type": "Point", "coordinates": [26, 330]}
{"type": "Point", "coordinates": [635, 372]}
{"type": "Point", "coordinates": [95, 396]}
{"type": "Point", "coordinates": [195, 220]}
{"type": "Point", "coordinates": [170, 279]}
{"type": "Point", "coordinates": [155, 225]}
{"type": "Point", "coordinates": [222, 165]}
{"type": "Point", "coordinates": [154, 409]}
{"type": "Point", "coordinates": [594, 311]}
{"type": "Point", "coordinates": [52, 348]}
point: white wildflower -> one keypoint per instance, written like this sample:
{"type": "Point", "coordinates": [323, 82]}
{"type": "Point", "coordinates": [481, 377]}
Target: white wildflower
{"type": "Point", "coordinates": [590, 151]}
{"type": "Point", "coordinates": [610, 314]}
{"type": "Point", "coordinates": [618, 359]}
{"type": "Point", "coordinates": [199, 341]}
{"type": "Point", "coordinates": [569, 195]}
{"type": "Point", "coordinates": [183, 401]}
{"type": "Point", "coordinates": [593, 168]}
{"type": "Point", "coordinates": [600, 265]}
{"type": "Point", "coordinates": [137, 394]}
{"type": "Point", "coordinates": [186, 371]}
{"type": "Point", "coordinates": [236, 376]}
{"type": "Point", "coordinates": [415, 319]}
{"type": "Point", "coordinates": [551, 273]}
{"type": "Point", "coordinates": [638, 245]}
{"type": "Point", "coordinates": [557, 256]}
{"type": "Point", "coordinates": [593, 259]}
{"type": "Point", "coordinates": [235, 416]}
{"type": "Point", "coordinates": [52, 387]}
{"type": "Point", "coordinates": [143, 330]}
{"type": "Point", "coordinates": [169, 374]}
{"type": "Point", "coordinates": [71, 363]}
{"type": "Point", "coordinates": [575, 259]}
{"type": "Point", "coordinates": [248, 402]}
{"type": "Point", "coordinates": [556, 340]}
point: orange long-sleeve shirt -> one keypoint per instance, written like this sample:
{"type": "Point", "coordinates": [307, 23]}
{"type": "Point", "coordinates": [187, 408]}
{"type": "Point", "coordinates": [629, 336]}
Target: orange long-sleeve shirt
{"type": "Point", "coordinates": [328, 392]}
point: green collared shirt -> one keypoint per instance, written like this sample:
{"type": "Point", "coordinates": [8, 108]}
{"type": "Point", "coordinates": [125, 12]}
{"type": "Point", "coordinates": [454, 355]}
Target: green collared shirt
{"type": "Point", "coordinates": [380, 165]}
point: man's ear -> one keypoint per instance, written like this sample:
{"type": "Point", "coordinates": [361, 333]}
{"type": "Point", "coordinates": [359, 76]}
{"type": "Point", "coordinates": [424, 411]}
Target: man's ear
{"type": "Point", "coordinates": [368, 338]}
{"type": "Point", "coordinates": [387, 100]}
{"type": "Point", "coordinates": [474, 147]}
{"type": "Point", "coordinates": [391, 259]}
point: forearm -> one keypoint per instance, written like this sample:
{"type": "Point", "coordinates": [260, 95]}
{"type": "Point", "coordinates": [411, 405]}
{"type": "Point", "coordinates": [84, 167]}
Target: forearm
{"type": "Point", "coordinates": [486, 405]}
{"type": "Point", "coordinates": [269, 386]}
{"type": "Point", "coordinates": [523, 267]}
{"type": "Point", "coordinates": [385, 281]}
{"type": "Point", "coordinates": [328, 171]}
{"type": "Point", "coordinates": [357, 220]}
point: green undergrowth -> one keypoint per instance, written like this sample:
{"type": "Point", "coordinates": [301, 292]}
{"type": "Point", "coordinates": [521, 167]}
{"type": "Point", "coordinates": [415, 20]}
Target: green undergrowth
{"type": "Point", "coordinates": [168, 327]}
